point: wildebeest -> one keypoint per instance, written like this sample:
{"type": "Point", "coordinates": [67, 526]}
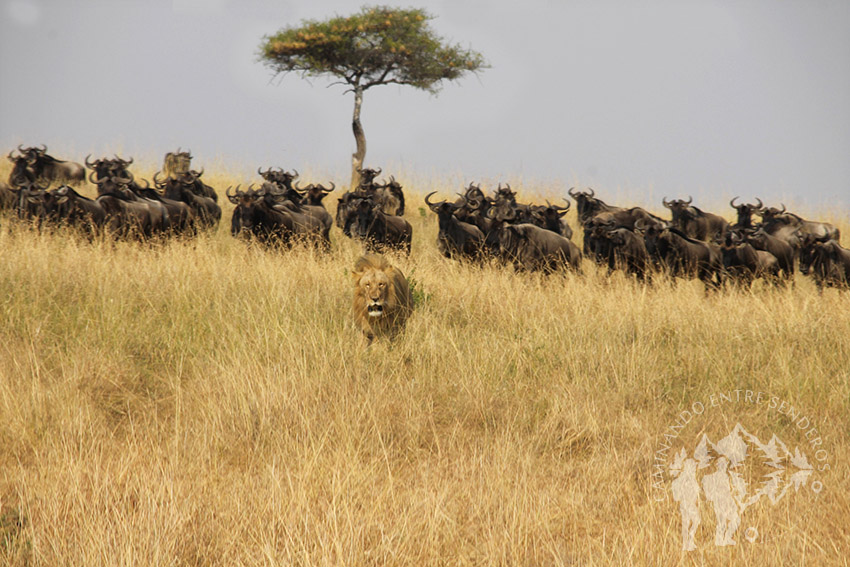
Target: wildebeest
{"type": "Point", "coordinates": [774, 220]}
{"type": "Point", "coordinates": [683, 256]}
{"type": "Point", "coordinates": [743, 263]}
{"type": "Point", "coordinates": [377, 229]}
{"type": "Point", "coordinates": [588, 205]}
{"type": "Point", "coordinates": [745, 213]}
{"type": "Point", "coordinates": [456, 239]}
{"type": "Point", "coordinates": [695, 222]}
{"type": "Point", "coordinates": [35, 164]}
{"type": "Point", "coordinates": [826, 261]}
{"type": "Point", "coordinates": [283, 182]}
{"type": "Point", "coordinates": [529, 247]}
{"type": "Point", "coordinates": [259, 215]}
{"type": "Point", "coordinates": [206, 213]}
{"type": "Point", "coordinates": [551, 217]}
{"type": "Point", "coordinates": [784, 252]}
{"type": "Point", "coordinates": [626, 250]}
{"type": "Point", "coordinates": [79, 211]}
{"type": "Point", "coordinates": [127, 215]}
{"type": "Point", "coordinates": [390, 197]}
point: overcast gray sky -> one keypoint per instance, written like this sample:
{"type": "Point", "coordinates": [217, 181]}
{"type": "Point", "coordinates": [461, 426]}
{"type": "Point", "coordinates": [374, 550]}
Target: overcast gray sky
{"type": "Point", "coordinates": [644, 99]}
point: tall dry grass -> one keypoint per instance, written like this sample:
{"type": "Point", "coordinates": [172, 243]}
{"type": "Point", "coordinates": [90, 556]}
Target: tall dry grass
{"type": "Point", "coordinates": [206, 402]}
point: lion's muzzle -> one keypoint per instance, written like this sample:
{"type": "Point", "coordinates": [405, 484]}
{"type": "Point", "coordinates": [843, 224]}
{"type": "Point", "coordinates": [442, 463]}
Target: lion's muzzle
{"type": "Point", "coordinates": [375, 309]}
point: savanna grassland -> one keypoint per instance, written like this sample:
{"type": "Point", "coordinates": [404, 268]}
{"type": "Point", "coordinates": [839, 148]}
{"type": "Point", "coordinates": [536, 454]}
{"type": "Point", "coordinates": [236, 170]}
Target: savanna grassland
{"type": "Point", "coordinates": [206, 402]}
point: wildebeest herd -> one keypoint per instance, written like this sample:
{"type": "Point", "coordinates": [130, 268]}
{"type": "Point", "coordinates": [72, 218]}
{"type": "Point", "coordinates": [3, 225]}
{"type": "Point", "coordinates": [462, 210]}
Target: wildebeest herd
{"type": "Point", "coordinates": [474, 227]}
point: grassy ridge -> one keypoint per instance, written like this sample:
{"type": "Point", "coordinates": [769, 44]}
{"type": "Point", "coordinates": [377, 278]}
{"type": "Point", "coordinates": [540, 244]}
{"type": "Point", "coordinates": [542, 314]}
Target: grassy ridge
{"type": "Point", "coordinates": [210, 403]}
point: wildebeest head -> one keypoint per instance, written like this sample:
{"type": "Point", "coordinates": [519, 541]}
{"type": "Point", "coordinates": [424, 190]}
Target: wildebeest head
{"type": "Point", "coordinates": [770, 213]}
{"type": "Point", "coordinates": [745, 212]}
{"type": "Point", "coordinates": [314, 193]}
{"type": "Point", "coordinates": [243, 221]}
{"type": "Point", "coordinates": [443, 209]}
{"type": "Point", "coordinates": [549, 217]}
{"type": "Point", "coordinates": [679, 209]}
{"type": "Point", "coordinates": [367, 177]}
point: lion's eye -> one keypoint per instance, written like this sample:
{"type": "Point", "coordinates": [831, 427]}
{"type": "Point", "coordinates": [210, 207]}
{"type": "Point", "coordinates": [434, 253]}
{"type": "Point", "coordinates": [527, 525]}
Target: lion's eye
{"type": "Point", "coordinates": [382, 285]}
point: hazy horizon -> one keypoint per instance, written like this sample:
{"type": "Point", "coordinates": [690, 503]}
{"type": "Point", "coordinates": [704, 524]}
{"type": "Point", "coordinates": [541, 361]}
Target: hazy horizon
{"type": "Point", "coordinates": [712, 99]}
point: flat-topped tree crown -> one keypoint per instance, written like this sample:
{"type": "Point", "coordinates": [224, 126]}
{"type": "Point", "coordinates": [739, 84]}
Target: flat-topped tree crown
{"type": "Point", "coordinates": [377, 46]}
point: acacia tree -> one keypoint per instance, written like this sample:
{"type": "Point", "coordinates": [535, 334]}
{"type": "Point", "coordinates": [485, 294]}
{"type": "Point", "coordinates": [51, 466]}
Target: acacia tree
{"type": "Point", "coordinates": [377, 46]}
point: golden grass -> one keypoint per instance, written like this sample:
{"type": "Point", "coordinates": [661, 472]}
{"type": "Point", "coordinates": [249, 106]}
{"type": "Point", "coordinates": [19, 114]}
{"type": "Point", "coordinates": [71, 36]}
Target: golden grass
{"type": "Point", "coordinates": [206, 402]}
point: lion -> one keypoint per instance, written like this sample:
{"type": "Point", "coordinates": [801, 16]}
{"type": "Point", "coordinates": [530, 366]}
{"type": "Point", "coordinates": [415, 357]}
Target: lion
{"type": "Point", "coordinates": [382, 300]}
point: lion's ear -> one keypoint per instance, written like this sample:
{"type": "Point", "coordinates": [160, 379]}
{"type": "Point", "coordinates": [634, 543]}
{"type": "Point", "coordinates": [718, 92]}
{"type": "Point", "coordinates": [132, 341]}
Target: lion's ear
{"type": "Point", "coordinates": [356, 277]}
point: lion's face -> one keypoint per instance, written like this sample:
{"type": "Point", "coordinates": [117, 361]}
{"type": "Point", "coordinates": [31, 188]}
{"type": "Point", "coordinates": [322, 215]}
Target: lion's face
{"type": "Point", "coordinates": [374, 286]}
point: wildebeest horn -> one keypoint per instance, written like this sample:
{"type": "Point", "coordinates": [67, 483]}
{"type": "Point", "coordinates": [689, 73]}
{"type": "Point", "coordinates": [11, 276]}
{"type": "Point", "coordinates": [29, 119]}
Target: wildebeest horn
{"type": "Point", "coordinates": [296, 174]}
{"type": "Point", "coordinates": [665, 202]}
{"type": "Point", "coordinates": [783, 208]}
{"type": "Point", "coordinates": [690, 200]}
{"type": "Point", "coordinates": [463, 204]}
{"type": "Point", "coordinates": [88, 163]}
{"type": "Point", "coordinates": [732, 203]}
{"type": "Point", "coordinates": [429, 203]}
{"type": "Point", "coordinates": [199, 173]}
{"type": "Point", "coordinates": [43, 148]}
{"type": "Point", "coordinates": [331, 189]}
{"type": "Point", "coordinates": [567, 208]}
{"type": "Point", "coordinates": [378, 171]}
{"type": "Point", "coordinates": [122, 180]}
{"type": "Point", "coordinates": [392, 178]}
{"type": "Point", "coordinates": [761, 205]}
{"type": "Point", "coordinates": [510, 217]}
{"type": "Point", "coordinates": [570, 192]}
{"type": "Point", "coordinates": [21, 148]}
{"type": "Point", "coordinates": [92, 179]}
{"type": "Point", "coordinates": [156, 178]}
{"type": "Point", "coordinates": [592, 192]}
{"type": "Point", "coordinates": [260, 171]}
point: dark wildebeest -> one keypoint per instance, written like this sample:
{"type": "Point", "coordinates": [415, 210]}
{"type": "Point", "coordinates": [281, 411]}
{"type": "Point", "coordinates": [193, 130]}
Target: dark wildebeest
{"type": "Point", "coordinates": [283, 182]}
{"type": "Point", "coordinates": [784, 252]}
{"type": "Point", "coordinates": [35, 164]}
{"type": "Point", "coordinates": [774, 220]}
{"type": "Point", "coordinates": [683, 256]}
{"type": "Point", "coordinates": [206, 213]}
{"type": "Point", "coordinates": [456, 239]}
{"type": "Point", "coordinates": [79, 211]}
{"type": "Point", "coordinates": [745, 213]}
{"type": "Point", "coordinates": [258, 214]}
{"type": "Point", "coordinates": [826, 261]}
{"type": "Point", "coordinates": [551, 217]}
{"type": "Point", "coordinates": [743, 263]}
{"type": "Point", "coordinates": [588, 205]}
{"type": "Point", "coordinates": [126, 214]}
{"type": "Point", "coordinates": [626, 250]}
{"type": "Point", "coordinates": [529, 247]}
{"type": "Point", "coordinates": [379, 230]}
{"type": "Point", "coordinates": [695, 222]}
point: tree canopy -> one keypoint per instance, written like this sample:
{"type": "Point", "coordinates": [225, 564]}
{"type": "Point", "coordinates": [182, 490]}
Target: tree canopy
{"type": "Point", "coordinates": [377, 46]}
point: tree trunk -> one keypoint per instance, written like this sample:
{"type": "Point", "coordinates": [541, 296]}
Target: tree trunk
{"type": "Point", "coordinates": [359, 137]}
